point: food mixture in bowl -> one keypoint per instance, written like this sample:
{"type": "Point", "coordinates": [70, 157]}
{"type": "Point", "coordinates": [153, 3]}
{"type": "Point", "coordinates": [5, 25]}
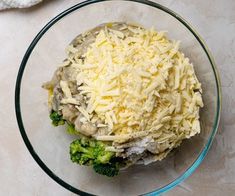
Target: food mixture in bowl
{"type": "Point", "coordinates": [128, 94]}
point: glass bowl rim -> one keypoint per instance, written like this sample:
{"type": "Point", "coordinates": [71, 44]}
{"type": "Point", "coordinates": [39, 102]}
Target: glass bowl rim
{"type": "Point", "coordinates": [27, 142]}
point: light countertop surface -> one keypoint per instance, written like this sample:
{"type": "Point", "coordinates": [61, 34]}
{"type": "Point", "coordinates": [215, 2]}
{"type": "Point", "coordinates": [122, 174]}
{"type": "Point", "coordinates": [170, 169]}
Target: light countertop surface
{"type": "Point", "coordinates": [19, 173]}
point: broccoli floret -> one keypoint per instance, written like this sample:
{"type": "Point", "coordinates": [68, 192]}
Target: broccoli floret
{"type": "Point", "coordinates": [81, 152]}
{"type": "Point", "coordinates": [90, 152]}
{"type": "Point", "coordinates": [56, 118]}
{"type": "Point", "coordinates": [109, 170]}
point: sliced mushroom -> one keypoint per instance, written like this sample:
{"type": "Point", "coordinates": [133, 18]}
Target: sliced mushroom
{"type": "Point", "coordinates": [57, 97]}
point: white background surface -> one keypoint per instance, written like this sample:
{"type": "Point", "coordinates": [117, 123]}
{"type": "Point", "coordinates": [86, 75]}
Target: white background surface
{"type": "Point", "coordinates": [19, 173]}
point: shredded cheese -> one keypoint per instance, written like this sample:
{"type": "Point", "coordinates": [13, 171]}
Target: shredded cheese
{"type": "Point", "coordinates": [138, 84]}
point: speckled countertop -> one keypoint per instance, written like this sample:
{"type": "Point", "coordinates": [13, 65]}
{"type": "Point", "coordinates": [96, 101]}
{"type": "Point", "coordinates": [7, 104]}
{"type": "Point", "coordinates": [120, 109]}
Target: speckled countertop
{"type": "Point", "coordinates": [20, 174]}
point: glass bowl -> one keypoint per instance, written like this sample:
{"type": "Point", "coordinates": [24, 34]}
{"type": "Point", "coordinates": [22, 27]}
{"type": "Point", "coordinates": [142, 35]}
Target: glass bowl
{"type": "Point", "coordinates": [49, 146]}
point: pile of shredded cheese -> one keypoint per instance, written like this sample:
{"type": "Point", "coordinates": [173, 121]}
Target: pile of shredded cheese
{"type": "Point", "coordinates": [137, 85]}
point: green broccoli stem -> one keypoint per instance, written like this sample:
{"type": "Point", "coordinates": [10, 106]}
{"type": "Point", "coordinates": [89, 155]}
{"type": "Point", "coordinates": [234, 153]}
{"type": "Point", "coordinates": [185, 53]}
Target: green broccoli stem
{"type": "Point", "coordinates": [105, 158]}
{"type": "Point", "coordinates": [71, 129]}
